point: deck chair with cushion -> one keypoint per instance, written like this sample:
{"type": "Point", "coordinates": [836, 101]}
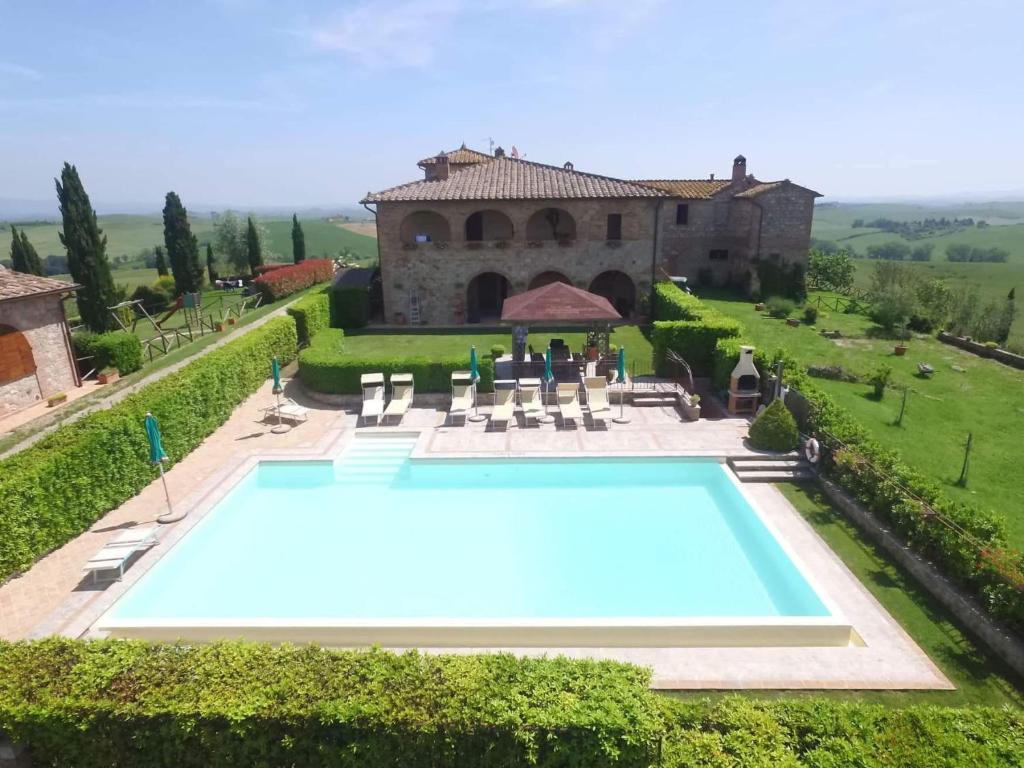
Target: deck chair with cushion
{"type": "Point", "coordinates": [288, 409]}
{"type": "Point", "coordinates": [462, 395]}
{"type": "Point", "coordinates": [373, 396]}
{"type": "Point", "coordinates": [402, 390]}
{"type": "Point", "coordinates": [119, 550]}
{"type": "Point", "coordinates": [597, 399]}
{"type": "Point", "coordinates": [504, 402]}
{"type": "Point", "coordinates": [532, 399]}
{"type": "Point", "coordinates": [568, 394]}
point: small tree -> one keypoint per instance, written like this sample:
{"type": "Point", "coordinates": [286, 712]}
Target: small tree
{"type": "Point", "coordinates": [774, 429]}
{"type": "Point", "coordinates": [830, 271]}
{"type": "Point", "coordinates": [254, 250]}
{"type": "Point", "coordinates": [17, 258]}
{"type": "Point", "coordinates": [229, 238]}
{"type": "Point", "coordinates": [161, 261]}
{"type": "Point", "coordinates": [211, 265]}
{"type": "Point", "coordinates": [298, 241]}
{"type": "Point", "coordinates": [182, 248]}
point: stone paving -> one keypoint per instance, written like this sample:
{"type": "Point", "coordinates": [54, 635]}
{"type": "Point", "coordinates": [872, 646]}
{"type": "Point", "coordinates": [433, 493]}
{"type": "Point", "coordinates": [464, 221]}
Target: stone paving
{"type": "Point", "coordinates": [55, 597]}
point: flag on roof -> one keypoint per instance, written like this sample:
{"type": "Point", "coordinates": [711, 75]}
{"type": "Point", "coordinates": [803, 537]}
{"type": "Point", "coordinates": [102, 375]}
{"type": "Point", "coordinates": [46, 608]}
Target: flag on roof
{"type": "Point", "coordinates": [515, 152]}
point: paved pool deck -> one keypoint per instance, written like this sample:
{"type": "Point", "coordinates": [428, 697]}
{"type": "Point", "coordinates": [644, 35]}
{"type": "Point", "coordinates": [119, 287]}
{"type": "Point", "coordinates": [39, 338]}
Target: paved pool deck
{"type": "Point", "coordinates": [56, 597]}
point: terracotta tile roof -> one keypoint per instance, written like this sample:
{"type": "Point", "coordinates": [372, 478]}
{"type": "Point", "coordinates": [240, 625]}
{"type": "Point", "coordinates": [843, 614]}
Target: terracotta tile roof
{"type": "Point", "coordinates": [503, 178]}
{"type": "Point", "coordinates": [691, 189]}
{"type": "Point", "coordinates": [461, 156]}
{"type": "Point", "coordinates": [15, 285]}
{"type": "Point", "coordinates": [558, 303]}
{"type": "Point", "coordinates": [767, 186]}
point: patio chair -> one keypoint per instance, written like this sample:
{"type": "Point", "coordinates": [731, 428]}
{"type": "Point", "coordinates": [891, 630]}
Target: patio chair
{"type": "Point", "coordinates": [532, 400]}
{"type": "Point", "coordinates": [568, 394]}
{"type": "Point", "coordinates": [288, 409]}
{"type": "Point", "coordinates": [402, 390]}
{"type": "Point", "coordinates": [504, 401]}
{"type": "Point", "coordinates": [119, 550]}
{"type": "Point", "coordinates": [372, 385]}
{"type": "Point", "coordinates": [597, 399]}
{"type": "Point", "coordinates": [462, 395]}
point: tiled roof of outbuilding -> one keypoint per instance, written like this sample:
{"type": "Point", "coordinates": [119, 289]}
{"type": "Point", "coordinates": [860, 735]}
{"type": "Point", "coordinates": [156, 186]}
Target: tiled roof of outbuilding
{"type": "Point", "coordinates": [17, 285]}
{"type": "Point", "coordinates": [503, 178]}
{"type": "Point", "coordinates": [768, 186]}
{"type": "Point", "coordinates": [691, 189]}
{"type": "Point", "coordinates": [461, 156]}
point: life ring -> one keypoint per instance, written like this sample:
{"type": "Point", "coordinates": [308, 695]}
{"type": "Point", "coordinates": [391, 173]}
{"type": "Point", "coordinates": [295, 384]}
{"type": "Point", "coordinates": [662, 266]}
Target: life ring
{"type": "Point", "coordinates": [812, 450]}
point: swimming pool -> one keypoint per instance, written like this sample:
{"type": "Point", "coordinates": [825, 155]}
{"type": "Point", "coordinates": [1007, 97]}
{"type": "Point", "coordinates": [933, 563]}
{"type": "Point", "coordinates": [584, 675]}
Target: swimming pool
{"type": "Point", "coordinates": [380, 548]}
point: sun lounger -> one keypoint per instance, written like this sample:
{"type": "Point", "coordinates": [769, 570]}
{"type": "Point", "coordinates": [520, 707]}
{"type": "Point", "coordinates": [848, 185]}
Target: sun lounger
{"type": "Point", "coordinates": [462, 395]}
{"type": "Point", "coordinates": [373, 396]}
{"type": "Point", "coordinates": [569, 402]}
{"type": "Point", "coordinates": [402, 390]}
{"type": "Point", "coordinates": [504, 402]}
{"type": "Point", "coordinates": [597, 399]}
{"type": "Point", "coordinates": [532, 400]}
{"type": "Point", "coordinates": [119, 550]}
{"type": "Point", "coordinates": [290, 410]}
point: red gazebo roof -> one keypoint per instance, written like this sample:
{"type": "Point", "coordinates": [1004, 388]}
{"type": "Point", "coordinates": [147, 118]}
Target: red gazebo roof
{"type": "Point", "coordinates": [558, 303]}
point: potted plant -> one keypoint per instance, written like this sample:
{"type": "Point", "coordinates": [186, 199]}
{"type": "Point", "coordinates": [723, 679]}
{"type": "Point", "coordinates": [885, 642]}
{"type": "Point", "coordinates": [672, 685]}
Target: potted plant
{"type": "Point", "coordinates": [108, 376]}
{"type": "Point", "coordinates": [219, 326]}
{"type": "Point", "coordinates": [691, 407]}
{"type": "Point", "coordinates": [57, 399]}
{"type": "Point", "coordinates": [879, 380]}
{"type": "Point", "coordinates": [591, 349]}
{"type": "Point", "coordinates": [759, 307]}
{"type": "Point", "coordinates": [232, 320]}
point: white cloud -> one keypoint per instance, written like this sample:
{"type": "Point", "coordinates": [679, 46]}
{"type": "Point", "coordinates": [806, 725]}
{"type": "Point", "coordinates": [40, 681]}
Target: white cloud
{"type": "Point", "coordinates": [20, 71]}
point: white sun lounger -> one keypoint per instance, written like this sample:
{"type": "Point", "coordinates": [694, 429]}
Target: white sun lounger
{"type": "Point", "coordinates": [532, 400]}
{"type": "Point", "coordinates": [118, 551]}
{"type": "Point", "coordinates": [504, 401]}
{"type": "Point", "coordinates": [569, 402]}
{"type": "Point", "coordinates": [402, 390]}
{"type": "Point", "coordinates": [373, 396]}
{"type": "Point", "coordinates": [597, 399]}
{"type": "Point", "coordinates": [462, 395]}
{"type": "Point", "coordinates": [290, 410]}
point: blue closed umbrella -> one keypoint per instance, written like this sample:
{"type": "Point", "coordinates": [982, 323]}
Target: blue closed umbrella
{"type": "Point", "coordinates": [474, 375]}
{"type": "Point", "coordinates": [158, 456]}
{"type": "Point", "coordinates": [275, 370]}
{"type": "Point", "coordinates": [549, 376]}
{"type": "Point", "coordinates": [622, 365]}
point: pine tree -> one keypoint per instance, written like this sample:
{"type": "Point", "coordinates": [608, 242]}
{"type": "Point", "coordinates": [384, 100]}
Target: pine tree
{"type": "Point", "coordinates": [87, 252]}
{"type": "Point", "coordinates": [161, 261]}
{"type": "Point", "coordinates": [211, 264]}
{"type": "Point", "coordinates": [182, 247]}
{"type": "Point", "coordinates": [252, 246]}
{"type": "Point", "coordinates": [33, 263]}
{"type": "Point", "coordinates": [298, 241]}
{"type": "Point", "coordinates": [17, 257]}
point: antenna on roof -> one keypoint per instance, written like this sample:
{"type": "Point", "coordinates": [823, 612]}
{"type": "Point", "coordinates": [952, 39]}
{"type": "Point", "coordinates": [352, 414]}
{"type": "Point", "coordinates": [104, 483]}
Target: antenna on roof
{"type": "Point", "coordinates": [490, 145]}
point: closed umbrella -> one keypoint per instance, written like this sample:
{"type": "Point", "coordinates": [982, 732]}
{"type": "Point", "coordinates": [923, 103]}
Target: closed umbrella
{"type": "Point", "coordinates": [474, 375]}
{"type": "Point", "coordinates": [549, 377]}
{"type": "Point", "coordinates": [158, 456]}
{"type": "Point", "coordinates": [620, 374]}
{"type": "Point", "coordinates": [275, 371]}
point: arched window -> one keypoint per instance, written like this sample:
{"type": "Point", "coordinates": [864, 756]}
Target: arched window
{"type": "Point", "coordinates": [618, 288]}
{"type": "Point", "coordinates": [425, 227]}
{"type": "Point", "coordinates": [488, 225]}
{"type": "Point", "coordinates": [16, 360]}
{"type": "Point", "coordinates": [546, 278]}
{"type": "Point", "coordinates": [551, 224]}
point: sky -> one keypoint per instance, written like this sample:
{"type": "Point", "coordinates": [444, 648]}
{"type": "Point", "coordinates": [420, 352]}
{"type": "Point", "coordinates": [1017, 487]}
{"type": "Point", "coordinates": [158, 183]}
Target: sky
{"type": "Point", "coordinates": [273, 102]}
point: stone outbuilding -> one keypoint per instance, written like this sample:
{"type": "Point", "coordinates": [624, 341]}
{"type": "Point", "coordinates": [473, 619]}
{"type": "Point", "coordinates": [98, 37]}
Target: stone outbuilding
{"type": "Point", "coordinates": [36, 357]}
{"type": "Point", "coordinates": [479, 228]}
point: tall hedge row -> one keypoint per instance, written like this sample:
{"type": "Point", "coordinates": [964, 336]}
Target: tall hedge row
{"type": "Point", "coordinates": [689, 328]}
{"type": "Point", "coordinates": [324, 366]}
{"type": "Point", "coordinates": [350, 307]}
{"type": "Point", "coordinates": [57, 488]}
{"type": "Point", "coordinates": [672, 303]}
{"type": "Point", "coordinates": [115, 704]}
{"type": "Point", "coordinates": [115, 349]}
{"type": "Point", "coordinates": [312, 314]}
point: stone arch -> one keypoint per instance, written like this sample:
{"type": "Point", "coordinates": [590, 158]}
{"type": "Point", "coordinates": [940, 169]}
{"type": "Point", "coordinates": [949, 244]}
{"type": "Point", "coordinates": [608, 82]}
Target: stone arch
{"type": "Point", "coordinates": [488, 224]}
{"type": "Point", "coordinates": [16, 358]}
{"type": "Point", "coordinates": [425, 224]}
{"type": "Point", "coordinates": [551, 224]}
{"type": "Point", "coordinates": [618, 288]}
{"type": "Point", "coordinates": [546, 278]}
{"type": "Point", "coordinates": [485, 295]}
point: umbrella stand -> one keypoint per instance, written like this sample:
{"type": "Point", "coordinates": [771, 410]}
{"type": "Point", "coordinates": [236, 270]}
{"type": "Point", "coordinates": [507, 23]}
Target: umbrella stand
{"type": "Point", "coordinates": [622, 418]}
{"type": "Point", "coordinates": [475, 373]}
{"type": "Point", "coordinates": [547, 418]}
{"type": "Point", "coordinates": [170, 517]}
{"type": "Point", "coordinates": [281, 427]}
{"type": "Point", "coordinates": [477, 416]}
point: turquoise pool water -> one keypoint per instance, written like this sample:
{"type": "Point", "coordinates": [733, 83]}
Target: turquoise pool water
{"type": "Point", "coordinates": [377, 536]}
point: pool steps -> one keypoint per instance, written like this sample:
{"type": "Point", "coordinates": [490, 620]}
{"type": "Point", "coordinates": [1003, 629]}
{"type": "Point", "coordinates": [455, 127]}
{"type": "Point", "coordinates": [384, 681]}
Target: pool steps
{"type": "Point", "coordinates": [374, 460]}
{"type": "Point", "coordinates": [780, 468]}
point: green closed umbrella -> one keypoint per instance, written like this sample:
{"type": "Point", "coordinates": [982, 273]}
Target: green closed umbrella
{"type": "Point", "coordinates": [474, 375]}
{"type": "Point", "coordinates": [549, 376]}
{"type": "Point", "coordinates": [275, 371]}
{"type": "Point", "coordinates": [158, 456]}
{"type": "Point", "coordinates": [620, 374]}
{"type": "Point", "coordinates": [622, 365]}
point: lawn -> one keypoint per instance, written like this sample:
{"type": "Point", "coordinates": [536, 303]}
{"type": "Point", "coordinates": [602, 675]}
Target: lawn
{"type": "Point", "coordinates": [967, 394]}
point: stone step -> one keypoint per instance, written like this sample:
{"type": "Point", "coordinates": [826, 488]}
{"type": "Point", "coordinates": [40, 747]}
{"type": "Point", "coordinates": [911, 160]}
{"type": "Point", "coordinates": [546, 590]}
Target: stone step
{"type": "Point", "coordinates": [744, 466]}
{"type": "Point", "coordinates": [655, 401]}
{"type": "Point", "coordinates": [791, 456]}
{"type": "Point", "coordinates": [773, 476]}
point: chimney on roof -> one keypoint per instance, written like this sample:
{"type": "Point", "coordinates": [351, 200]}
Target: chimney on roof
{"type": "Point", "coordinates": [567, 166]}
{"type": "Point", "coordinates": [440, 172]}
{"type": "Point", "coordinates": [499, 152]}
{"type": "Point", "coordinates": [739, 168]}
{"type": "Point", "coordinates": [712, 177]}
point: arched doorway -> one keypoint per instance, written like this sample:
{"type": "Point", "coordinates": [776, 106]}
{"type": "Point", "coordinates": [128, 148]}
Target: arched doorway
{"type": "Point", "coordinates": [618, 288]}
{"type": "Point", "coordinates": [485, 295]}
{"type": "Point", "coordinates": [547, 278]}
{"type": "Point", "coordinates": [16, 359]}
{"type": "Point", "coordinates": [425, 227]}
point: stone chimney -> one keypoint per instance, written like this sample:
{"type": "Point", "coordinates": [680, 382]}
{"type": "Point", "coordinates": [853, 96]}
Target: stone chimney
{"type": "Point", "coordinates": [440, 167]}
{"type": "Point", "coordinates": [739, 168]}
{"type": "Point", "coordinates": [499, 152]}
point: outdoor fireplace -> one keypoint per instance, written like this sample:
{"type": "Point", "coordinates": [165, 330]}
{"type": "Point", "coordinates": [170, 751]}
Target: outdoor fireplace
{"type": "Point", "coordinates": [744, 384]}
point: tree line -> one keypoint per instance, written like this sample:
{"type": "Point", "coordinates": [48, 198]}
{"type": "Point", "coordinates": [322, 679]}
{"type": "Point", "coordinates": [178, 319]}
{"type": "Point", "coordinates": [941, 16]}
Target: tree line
{"type": "Point", "coordinates": [899, 251]}
{"type": "Point", "coordinates": [179, 258]}
{"type": "Point", "coordinates": [922, 228]}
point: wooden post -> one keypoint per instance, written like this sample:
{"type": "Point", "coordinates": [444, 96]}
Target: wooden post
{"type": "Point", "coordinates": [903, 407]}
{"type": "Point", "coordinates": [962, 482]}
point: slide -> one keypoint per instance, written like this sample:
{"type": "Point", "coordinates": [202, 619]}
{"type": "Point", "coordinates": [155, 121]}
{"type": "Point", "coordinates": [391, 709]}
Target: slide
{"type": "Point", "coordinates": [171, 311]}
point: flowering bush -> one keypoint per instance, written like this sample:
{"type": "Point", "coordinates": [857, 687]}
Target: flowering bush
{"type": "Point", "coordinates": [278, 283]}
{"type": "Point", "coordinates": [262, 269]}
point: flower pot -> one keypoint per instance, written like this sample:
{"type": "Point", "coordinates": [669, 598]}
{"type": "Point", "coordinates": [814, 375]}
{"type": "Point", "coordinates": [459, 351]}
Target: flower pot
{"type": "Point", "coordinates": [591, 353]}
{"type": "Point", "coordinates": [691, 412]}
{"type": "Point", "coordinates": [759, 307]}
{"type": "Point", "coordinates": [792, 322]}
{"type": "Point", "coordinates": [108, 378]}
{"type": "Point", "coordinates": [219, 327]}
{"type": "Point", "coordinates": [57, 399]}
{"type": "Point", "coordinates": [232, 320]}
{"type": "Point", "coordinates": [900, 350]}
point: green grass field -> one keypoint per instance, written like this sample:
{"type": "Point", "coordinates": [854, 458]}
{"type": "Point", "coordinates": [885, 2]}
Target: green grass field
{"type": "Point", "coordinates": [966, 394]}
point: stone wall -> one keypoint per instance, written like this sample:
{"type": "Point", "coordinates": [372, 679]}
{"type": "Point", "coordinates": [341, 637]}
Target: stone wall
{"type": "Point", "coordinates": [786, 224]}
{"type": "Point", "coordinates": [718, 224]}
{"type": "Point", "coordinates": [41, 321]}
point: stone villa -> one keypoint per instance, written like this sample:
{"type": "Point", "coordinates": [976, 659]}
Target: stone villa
{"type": "Point", "coordinates": [478, 228]}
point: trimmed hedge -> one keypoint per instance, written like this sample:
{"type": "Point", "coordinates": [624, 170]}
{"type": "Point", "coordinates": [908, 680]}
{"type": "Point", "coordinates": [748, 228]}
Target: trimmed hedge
{"type": "Point", "coordinates": [688, 327]}
{"type": "Point", "coordinates": [54, 490]}
{"type": "Point", "coordinates": [350, 307]}
{"type": "Point", "coordinates": [324, 367]}
{"type": "Point", "coordinates": [128, 703]}
{"type": "Point", "coordinates": [292, 278]}
{"type": "Point", "coordinates": [118, 703]}
{"type": "Point", "coordinates": [312, 314]}
{"type": "Point", "coordinates": [673, 303]}
{"type": "Point", "coordinates": [774, 429]}
{"type": "Point", "coordinates": [114, 349]}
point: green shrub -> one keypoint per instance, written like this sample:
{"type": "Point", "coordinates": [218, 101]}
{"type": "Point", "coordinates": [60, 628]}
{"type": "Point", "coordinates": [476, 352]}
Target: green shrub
{"type": "Point", "coordinates": [497, 351]}
{"type": "Point", "coordinates": [312, 314]}
{"type": "Point", "coordinates": [350, 307]}
{"type": "Point", "coordinates": [810, 315]}
{"type": "Point", "coordinates": [783, 279]}
{"type": "Point", "coordinates": [673, 303]}
{"type": "Point", "coordinates": [325, 367]}
{"type": "Point", "coordinates": [879, 380]}
{"type": "Point", "coordinates": [165, 284]}
{"type": "Point", "coordinates": [153, 300]}
{"type": "Point", "coordinates": [780, 307]}
{"type": "Point", "coordinates": [774, 429]}
{"type": "Point", "coordinates": [694, 340]}
{"type": "Point", "coordinates": [57, 488]}
{"type": "Point", "coordinates": [115, 349]}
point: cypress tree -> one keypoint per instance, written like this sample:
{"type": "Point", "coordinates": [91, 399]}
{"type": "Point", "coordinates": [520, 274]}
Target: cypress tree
{"type": "Point", "coordinates": [161, 261]}
{"type": "Point", "coordinates": [211, 264]}
{"type": "Point", "coordinates": [252, 246]}
{"type": "Point", "coordinates": [182, 247]}
{"type": "Point", "coordinates": [17, 256]}
{"type": "Point", "coordinates": [298, 241]}
{"type": "Point", "coordinates": [87, 252]}
{"type": "Point", "coordinates": [28, 253]}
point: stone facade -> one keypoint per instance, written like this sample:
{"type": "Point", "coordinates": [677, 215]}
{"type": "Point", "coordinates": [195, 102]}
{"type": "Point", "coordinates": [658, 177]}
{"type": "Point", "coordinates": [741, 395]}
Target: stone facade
{"type": "Point", "coordinates": [40, 321]}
